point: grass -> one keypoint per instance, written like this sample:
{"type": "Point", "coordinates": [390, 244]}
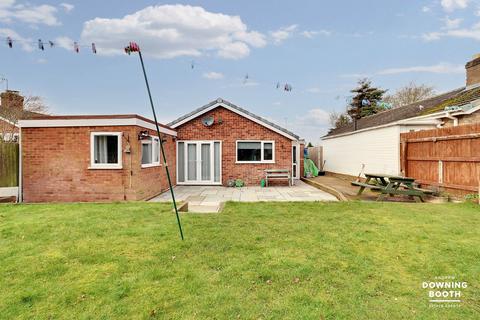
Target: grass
{"type": "Point", "coordinates": [253, 261]}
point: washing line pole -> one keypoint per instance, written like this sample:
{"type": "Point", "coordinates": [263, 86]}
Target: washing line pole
{"type": "Point", "coordinates": [133, 47]}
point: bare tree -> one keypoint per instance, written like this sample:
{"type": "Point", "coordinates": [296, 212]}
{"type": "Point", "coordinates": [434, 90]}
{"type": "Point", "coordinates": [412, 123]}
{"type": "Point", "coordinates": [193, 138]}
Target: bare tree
{"type": "Point", "coordinates": [338, 120]}
{"type": "Point", "coordinates": [409, 94]}
{"type": "Point", "coordinates": [32, 106]}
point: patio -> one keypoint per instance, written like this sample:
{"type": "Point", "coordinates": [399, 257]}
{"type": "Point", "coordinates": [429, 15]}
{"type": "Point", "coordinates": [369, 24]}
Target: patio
{"type": "Point", "coordinates": [207, 198]}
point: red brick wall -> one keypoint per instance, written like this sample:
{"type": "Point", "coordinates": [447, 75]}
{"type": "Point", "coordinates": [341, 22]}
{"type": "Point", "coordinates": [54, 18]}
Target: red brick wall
{"type": "Point", "coordinates": [7, 128]}
{"type": "Point", "coordinates": [56, 164]}
{"type": "Point", "coordinates": [235, 127]}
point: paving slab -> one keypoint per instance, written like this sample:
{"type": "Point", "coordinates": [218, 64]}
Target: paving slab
{"type": "Point", "coordinates": [299, 192]}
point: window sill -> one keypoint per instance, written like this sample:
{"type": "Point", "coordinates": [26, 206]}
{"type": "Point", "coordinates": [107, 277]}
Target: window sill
{"type": "Point", "coordinates": [117, 167]}
{"type": "Point", "coordinates": [254, 162]}
{"type": "Point", "coordinates": [151, 165]}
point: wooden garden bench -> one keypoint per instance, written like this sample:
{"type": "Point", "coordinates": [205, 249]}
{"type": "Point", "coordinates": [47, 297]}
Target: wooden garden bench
{"type": "Point", "coordinates": [275, 174]}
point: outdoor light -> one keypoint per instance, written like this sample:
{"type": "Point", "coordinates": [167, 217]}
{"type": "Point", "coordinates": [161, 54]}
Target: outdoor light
{"type": "Point", "coordinates": [143, 135]}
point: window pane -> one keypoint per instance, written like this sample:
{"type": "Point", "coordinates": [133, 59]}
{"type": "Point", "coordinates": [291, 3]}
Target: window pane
{"type": "Point", "coordinates": [192, 161]}
{"type": "Point", "coordinates": [146, 153]}
{"type": "Point", "coordinates": [249, 151]}
{"type": "Point", "coordinates": [181, 162]}
{"type": "Point", "coordinates": [216, 161]}
{"type": "Point", "coordinates": [268, 151]}
{"type": "Point", "coordinates": [156, 150]}
{"type": "Point", "coordinates": [106, 149]}
{"type": "Point", "coordinates": [206, 161]}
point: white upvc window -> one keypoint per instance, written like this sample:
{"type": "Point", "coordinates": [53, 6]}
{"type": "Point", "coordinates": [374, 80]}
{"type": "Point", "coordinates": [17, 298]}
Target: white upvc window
{"type": "Point", "coordinates": [150, 152]}
{"type": "Point", "coordinates": [106, 150]}
{"type": "Point", "coordinates": [255, 151]}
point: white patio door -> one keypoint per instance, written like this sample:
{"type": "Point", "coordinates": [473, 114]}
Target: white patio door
{"type": "Point", "coordinates": [198, 162]}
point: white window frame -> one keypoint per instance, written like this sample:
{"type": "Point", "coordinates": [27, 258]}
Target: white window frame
{"type": "Point", "coordinates": [153, 163]}
{"type": "Point", "coordinates": [262, 143]}
{"type": "Point", "coordinates": [93, 165]}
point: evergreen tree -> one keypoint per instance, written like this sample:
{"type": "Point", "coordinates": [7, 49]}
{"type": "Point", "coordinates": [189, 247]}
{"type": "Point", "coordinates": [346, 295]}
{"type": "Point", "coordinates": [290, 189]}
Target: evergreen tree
{"type": "Point", "coordinates": [365, 100]}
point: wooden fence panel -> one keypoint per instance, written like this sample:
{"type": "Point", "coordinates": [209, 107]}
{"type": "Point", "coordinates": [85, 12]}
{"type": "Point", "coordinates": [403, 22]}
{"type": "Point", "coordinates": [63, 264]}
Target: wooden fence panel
{"type": "Point", "coordinates": [447, 157]}
{"type": "Point", "coordinates": [316, 155]}
{"type": "Point", "coordinates": [8, 164]}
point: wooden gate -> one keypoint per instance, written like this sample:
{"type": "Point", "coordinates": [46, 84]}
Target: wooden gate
{"type": "Point", "coordinates": [447, 157]}
{"type": "Point", "coordinates": [8, 164]}
{"type": "Point", "coordinates": [316, 155]}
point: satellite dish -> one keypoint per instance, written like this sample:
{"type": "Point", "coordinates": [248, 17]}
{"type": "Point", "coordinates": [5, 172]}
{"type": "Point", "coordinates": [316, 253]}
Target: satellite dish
{"type": "Point", "coordinates": [207, 121]}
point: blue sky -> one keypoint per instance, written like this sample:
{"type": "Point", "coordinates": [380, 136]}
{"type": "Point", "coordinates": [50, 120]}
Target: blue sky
{"type": "Point", "coordinates": [321, 48]}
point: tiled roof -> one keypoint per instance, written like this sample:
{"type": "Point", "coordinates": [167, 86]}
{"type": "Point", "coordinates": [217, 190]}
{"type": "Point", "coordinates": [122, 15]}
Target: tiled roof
{"type": "Point", "coordinates": [438, 103]}
{"type": "Point", "coordinates": [221, 101]}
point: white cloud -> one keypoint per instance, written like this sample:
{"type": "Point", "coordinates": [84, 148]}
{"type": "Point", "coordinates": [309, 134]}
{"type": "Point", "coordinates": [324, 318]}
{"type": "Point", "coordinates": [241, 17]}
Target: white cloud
{"type": "Point", "coordinates": [28, 13]}
{"type": "Point", "coordinates": [441, 68]}
{"type": "Point", "coordinates": [283, 33]}
{"type": "Point", "coordinates": [212, 75]}
{"type": "Point", "coordinates": [426, 9]}
{"type": "Point", "coordinates": [451, 5]}
{"type": "Point", "coordinates": [24, 43]}
{"type": "Point", "coordinates": [64, 42]}
{"type": "Point", "coordinates": [312, 33]}
{"type": "Point", "coordinates": [313, 118]}
{"type": "Point", "coordinates": [452, 23]}
{"type": "Point", "coordinates": [169, 31]}
{"type": "Point", "coordinates": [468, 33]}
{"type": "Point", "coordinates": [67, 7]}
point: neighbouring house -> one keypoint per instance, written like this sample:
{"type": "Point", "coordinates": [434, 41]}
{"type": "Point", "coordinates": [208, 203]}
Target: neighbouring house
{"type": "Point", "coordinates": [374, 141]}
{"type": "Point", "coordinates": [11, 111]}
{"type": "Point", "coordinates": [117, 157]}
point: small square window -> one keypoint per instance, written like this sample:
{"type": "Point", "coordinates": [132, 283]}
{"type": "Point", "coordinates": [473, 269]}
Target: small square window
{"type": "Point", "coordinates": [106, 150]}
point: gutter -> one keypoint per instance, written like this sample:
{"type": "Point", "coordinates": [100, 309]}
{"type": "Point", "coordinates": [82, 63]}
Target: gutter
{"type": "Point", "coordinates": [392, 124]}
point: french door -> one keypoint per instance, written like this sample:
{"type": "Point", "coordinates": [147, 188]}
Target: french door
{"type": "Point", "coordinates": [199, 162]}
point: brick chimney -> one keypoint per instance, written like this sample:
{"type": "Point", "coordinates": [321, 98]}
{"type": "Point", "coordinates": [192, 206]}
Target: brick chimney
{"type": "Point", "coordinates": [473, 71]}
{"type": "Point", "coordinates": [11, 99]}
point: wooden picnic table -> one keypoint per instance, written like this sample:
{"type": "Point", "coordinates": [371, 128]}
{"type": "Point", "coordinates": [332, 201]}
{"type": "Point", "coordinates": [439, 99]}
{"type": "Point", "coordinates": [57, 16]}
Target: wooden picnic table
{"type": "Point", "coordinates": [391, 185]}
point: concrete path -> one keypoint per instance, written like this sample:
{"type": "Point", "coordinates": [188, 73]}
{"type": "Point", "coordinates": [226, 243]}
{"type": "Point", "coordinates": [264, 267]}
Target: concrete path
{"type": "Point", "coordinates": [213, 195]}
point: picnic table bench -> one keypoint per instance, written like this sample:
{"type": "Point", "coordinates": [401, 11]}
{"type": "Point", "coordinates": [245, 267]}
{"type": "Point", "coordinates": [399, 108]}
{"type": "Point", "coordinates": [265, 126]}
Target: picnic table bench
{"type": "Point", "coordinates": [274, 174]}
{"type": "Point", "coordinates": [392, 185]}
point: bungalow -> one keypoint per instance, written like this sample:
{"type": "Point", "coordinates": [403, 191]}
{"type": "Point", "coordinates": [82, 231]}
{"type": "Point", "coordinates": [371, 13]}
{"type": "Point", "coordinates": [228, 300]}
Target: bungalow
{"type": "Point", "coordinates": [117, 157]}
{"type": "Point", "coordinates": [374, 141]}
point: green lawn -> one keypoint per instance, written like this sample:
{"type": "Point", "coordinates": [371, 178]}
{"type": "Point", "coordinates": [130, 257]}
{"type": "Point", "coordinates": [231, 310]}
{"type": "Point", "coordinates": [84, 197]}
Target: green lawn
{"type": "Point", "coordinates": [253, 261]}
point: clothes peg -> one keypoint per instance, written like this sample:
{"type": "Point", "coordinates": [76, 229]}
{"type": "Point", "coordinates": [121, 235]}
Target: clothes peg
{"type": "Point", "coordinates": [40, 45]}
{"type": "Point", "coordinates": [94, 48]}
{"type": "Point", "coordinates": [9, 42]}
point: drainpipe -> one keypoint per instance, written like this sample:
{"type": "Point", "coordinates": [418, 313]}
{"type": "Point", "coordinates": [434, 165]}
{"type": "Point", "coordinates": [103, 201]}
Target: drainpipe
{"type": "Point", "coordinates": [455, 119]}
{"type": "Point", "coordinates": [20, 169]}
